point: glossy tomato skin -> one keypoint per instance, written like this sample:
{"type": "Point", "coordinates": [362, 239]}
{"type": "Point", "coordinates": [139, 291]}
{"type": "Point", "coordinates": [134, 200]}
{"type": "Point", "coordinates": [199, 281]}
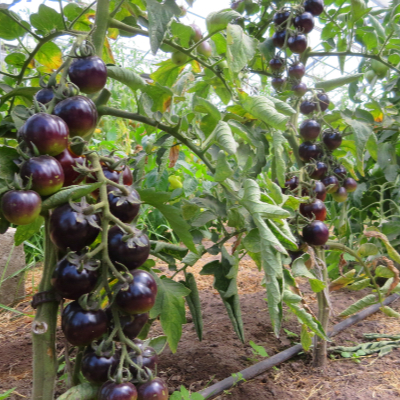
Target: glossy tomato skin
{"type": "Point", "coordinates": [292, 183]}
{"type": "Point", "coordinates": [320, 170]}
{"type": "Point", "coordinates": [300, 89]}
{"type": "Point", "coordinates": [148, 359]}
{"type": "Point", "coordinates": [131, 324]}
{"type": "Point", "coordinates": [316, 233]}
{"type": "Point", "coordinates": [320, 191]}
{"type": "Point", "coordinates": [278, 83]}
{"type": "Point", "coordinates": [315, 209]}
{"type": "Point", "coordinates": [308, 107]}
{"type": "Point", "coordinates": [153, 390]}
{"type": "Point", "coordinates": [297, 44]}
{"type": "Point", "coordinates": [332, 140]}
{"type": "Point", "coordinates": [48, 133]}
{"type": "Point", "coordinates": [277, 64]}
{"type": "Point", "coordinates": [97, 368]}
{"type": "Point", "coordinates": [281, 17]}
{"type": "Point", "coordinates": [323, 101]}
{"type": "Point", "coordinates": [68, 159]}
{"type": "Point", "coordinates": [140, 296]}
{"type": "Point", "coordinates": [79, 113]}
{"type": "Point", "coordinates": [44, 96]}
{"type": "Point", "coordinates": [350, 185]}
{"type": "Point", "coordinates": [309, 151]}
{"type": "Point", "coordinates": [21, 207]}
{"type": "Point", "coordinates": [66, 231]}
{"type": "Point", "coordinates": [331, 180]}
{"type": "Point", "coordinates": [198, 35]}
{"type": "Point", "coordinates": [118, 391]}
{"type": "Point", "coordinates": [81, 327]}
{"type": "Point", "coordinates": [278, 38]}
{"type": "Point", "coordinates": [126, 211]}
{"type": "Point", "coordinates": [310, 129]}
{"type": "Point", "coordinates": [120, 252]}
{"type": "Point", "coordinates": [304, 22]}
{"type": "Point", "coordinates": [88, 73]}
{"type": "Point", "coordinates": [315, 7]}
{"type": "Point", "coordinates": [71, 283]}
{"type": "Point", "coordinates": [297, 70]}
{"type": "Point", "coordinates": [340, 195]}
{"type": "Point", "coordinates": [340, 171]}
{"type": "Point", "coordinates": [47, 174]}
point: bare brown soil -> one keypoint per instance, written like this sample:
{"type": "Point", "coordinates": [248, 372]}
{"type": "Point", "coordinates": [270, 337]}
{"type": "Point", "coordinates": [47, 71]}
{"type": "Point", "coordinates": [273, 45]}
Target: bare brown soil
{"type": "Point", "coordinates": [220, 354]}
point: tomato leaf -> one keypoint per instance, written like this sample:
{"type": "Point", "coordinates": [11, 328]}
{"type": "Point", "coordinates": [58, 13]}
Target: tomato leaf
{"type": "Point", "coordinates": [27, 92]}
{"type": "Point", "coordinates": [9, 29]}
{"type": "Point", "coordinates": [305, 337]}
{"type": "Point", "coordinates": [217, 21]}
{"type": "Point", "coordinates": [224, 138]}
{"type": "Point", "coordinates": [84, 391]}
{"type": "Point", "coordinates": [47, 19]}
{"type": "Point", "coordinates": [338, 82]}
{"type": "Point", "coordinates": [25, 232]}
{"type": "Point", "coordinates": [49, 55]}
{"type": "Point", "coordinates": [222, 170]}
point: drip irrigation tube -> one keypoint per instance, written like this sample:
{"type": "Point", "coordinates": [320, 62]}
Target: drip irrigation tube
{"type": "Point", "coordinates": [262, 366]}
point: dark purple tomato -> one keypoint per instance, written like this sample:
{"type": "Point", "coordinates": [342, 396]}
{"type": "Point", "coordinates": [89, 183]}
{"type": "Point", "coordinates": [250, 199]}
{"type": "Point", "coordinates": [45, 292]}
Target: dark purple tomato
{"type": "Point", "coordinates": [310, 129]}
{"type": "Point", "coordinates": [132, 252]}
{"type": "Point", "coordinates": [278, 83]}
{"type": "Point", "coordinates": [308, 107]}
{"type": "Point", "coordinates": [118, 391]}
{"type": "Point", "coordinates": [126, 208]}
{"type": "Point", "coordinates": [71, 279]}
{"type": "Point", "coordinates": [294, 255]}
{"type": "Point", "coordinates": [153, 390]}
{"type": "Point", "coordinates": [320, 191]}
{"type": "Point", "coordinates": [331, 180]}
{"type": "Point", "coordinates": [281, 17]}
{"type": "Point", "coordinates": [298, 43]}
{"type": "Point", "coordinates": [113, 175]}
{"type": "Point", "coordinates": [315, 209]}
{"type": "Point", "coordinates": [340, 195]}
{"type": "Point", "coordinates": [297, 70]}
{"type": "Point", "coordinates": [316, 233]}
{"type": "Point", "coordinates": [340, 171]}
{"type": "Point", "coordinates": [46, 172]}
{"type": "Point", "coordinates": [277, 64]}
{"type": "Point", "coordinates": [315, 7]}
{"type": "Point", "coordinates": [323, 101]}
{"type": "Point", "coordinates": [299, 89]}
{"type": "Point", "coordinates": [72, 229]}
{"type": "Point", "coordinates": [96, 369]}
{"type": "Point", "coordinates": [81, 327]}
{"type": "Point", "coordinates": [79, 113]}
{"type": "Point", "coordinates": [278, 38]}
{"type": "Point", "coordinates": [88, 73]}
{"type": "Point", "coordinates": [44, 96]}
{"type": "Point", "coordinates": [131, 324]}
{"type": "Point", "coordinates": [350, 185]}
{"type": "Point", "coordinates": [197, 36]}
{"type": "Point", "coordinates": [292, 183]}
{"type": "Point", "coordinates": [304, 22]}
{"type": "Point", "coordinates": [319, 170]}
{"type": "Point", "coordinates": [148, 359]}
{"type": "Point", "coordinates": [68, 159]}
{"type": "Point", "coordinates": [309, 151]}
{"type": "Point", "coordinates": [332, 139]}
{"type": "Point", "coordinates": [140, 296]}
{"type": "Point", "coordinates": [21, 207]}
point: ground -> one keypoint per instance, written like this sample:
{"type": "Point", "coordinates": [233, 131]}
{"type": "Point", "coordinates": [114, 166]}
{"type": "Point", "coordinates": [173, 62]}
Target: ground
{"type": "Point", "coordinates": [220, 354]}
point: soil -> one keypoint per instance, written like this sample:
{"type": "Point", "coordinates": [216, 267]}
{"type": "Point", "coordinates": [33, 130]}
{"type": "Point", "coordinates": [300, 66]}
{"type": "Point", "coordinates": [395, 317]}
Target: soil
{"type": "Point", "coordinates": [198, 364]}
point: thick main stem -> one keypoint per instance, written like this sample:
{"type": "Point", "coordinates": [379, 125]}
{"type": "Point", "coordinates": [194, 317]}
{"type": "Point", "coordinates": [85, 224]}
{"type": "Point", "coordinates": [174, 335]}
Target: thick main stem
{"type": "Point", "coordinates": [320, 345]}
{"type": "Point", "coordinates": [44, 331]}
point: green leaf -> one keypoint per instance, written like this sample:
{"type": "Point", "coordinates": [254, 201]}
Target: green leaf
{"type": "Point", "coordinates": [171, 213]}
{"type": "Point", "coordinates": [338, 82]}
{"type": "Point", "coordinates": [213, 115]}
{"type": "Point", "coordinates": [258, 350]}
{"type": "Point", "coordinates": [27, 92]}
{"type": "Point", "coordinates": [384, 272]}
{"type": "Point", "coordinates": [7, 166]}
{"type": "Point", "coordinates": [358, 9]}
{"type": "Point", "coordinates": [305, 337]}
{"type": "Point", "coordinates": [166, 73]}
{"type": "Point", "coordinates": [49, 55]}
{"type": "Point", "coordinates": [74, 193]}
{"type": "Point", "coordinates": [9, 29]}
{"type": "Point", "coordinates": [182, 32]}
{"type": "Point", "coordinates": [16, 59]}
{"type": "Point", "coordinates": [127, 77]}
{"type": "Point", "coordinates": [390, 312]}
{"type": "Point", "coordinates": [377, 26]}
{"type": "Point", "coordinates": [222, 170]}
{"type": "Point", "coordinates": [170, 306]}
{"type": "Point", "coordinates": [283, 233]}
{"type": "Point", "coordinates": [47, 19]}
{"type": "Point", "coordinates": [367, 249]}
{"type": "Point", "coordinates": [264, 109]}
{"type": "Point", "coordinates": [161, 95]}
{"type": "Point", "coordinates": [241, 48]}
{"type": "Point", "coordinates": [362, 284]}
{"type": "Point", "coordinates": [159, 17]}
{"type": "Point", "coordinates": [84, 391]}
{"type": "Point", "coordinates": [158, 343]}
{"type": "Point", "coordinates": [223, 136]}
{"type": "Point", "coordinates": [203, 218]}
{"type": "Point", "coordinates": [362, 132]}
{"type": "Point", "coordinates": [220, 43]}
{"type": "Point", "coordinates": [267, 49]}
{"type": "Point", "coordinates": [282, 106]}
{"type": "Point", "coordinates": [25, 232]}
{"type": "Point", "coordinates": [359, 305]}
{"type": "Point", "coordinates": [278, 160]}
{"type": "Point", "coordinates": [193, 300]}
{"type": "Point", "coordinates": [217, 21]}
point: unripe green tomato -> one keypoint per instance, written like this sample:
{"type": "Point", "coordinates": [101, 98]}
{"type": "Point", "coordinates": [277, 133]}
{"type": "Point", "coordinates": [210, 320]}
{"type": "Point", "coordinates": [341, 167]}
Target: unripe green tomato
{"type": "Point", "coordinates": [340, 195]}
{"type": "Point", "coordinates": [197, 36]}
{"type": "Point", "coordinates": [175, 182]}
{"type": "Point", "coordinates": [369, 75]}
{"type": "Point", "coordinates": [223, 64]}
{"type": "Point", "coordinates": [379, 68]}
{"type": "Point", "coordinates": [179, 58]}
{"type": "Point", "coordinates": [204, 48]}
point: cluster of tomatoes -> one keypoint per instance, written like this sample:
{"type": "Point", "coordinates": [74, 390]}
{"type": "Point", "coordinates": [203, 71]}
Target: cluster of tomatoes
{"type": "Point", "coordinates": [48, 165]}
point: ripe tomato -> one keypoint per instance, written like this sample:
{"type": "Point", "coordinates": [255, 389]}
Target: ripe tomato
{"type": "Point", "coordinates": [21, 207]}
{"type": "Point", "coordinates": [118, 391]}
{"type": "Point", "coordinates": [126, 208]}
{"type": "Point", "coordinates": [316, 233]}
{"type": "Point", "coordinates": [315, 209]}
{"type": "Point", "coordinates": [68, 159]}
{"type": "Point", "coordinates": [153, 390]}
{"type": "Point", "coordinates": [96, 368]}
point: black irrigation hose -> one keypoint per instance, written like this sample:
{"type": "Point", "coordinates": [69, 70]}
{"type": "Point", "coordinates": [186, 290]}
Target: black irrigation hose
{"type": "Point", "coordinates": [262, 366]}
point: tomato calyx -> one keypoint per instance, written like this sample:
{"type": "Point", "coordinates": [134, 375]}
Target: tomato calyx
{"type": "Point", "coordinates": [81, 261]}
{"type": "Point", "coordinates": [85, 212]}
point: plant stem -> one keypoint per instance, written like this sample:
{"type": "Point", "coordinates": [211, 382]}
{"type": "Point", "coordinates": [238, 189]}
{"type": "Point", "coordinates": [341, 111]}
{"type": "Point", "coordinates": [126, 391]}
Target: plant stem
{"type": "Point", "coordinates": [320, 345]}
{"type": "Point", "coordinates": [77, 367]}
{"type": "Point", "coordinates": [101, 23]}
{"type": "Point", "coordinates": [44, 330]}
